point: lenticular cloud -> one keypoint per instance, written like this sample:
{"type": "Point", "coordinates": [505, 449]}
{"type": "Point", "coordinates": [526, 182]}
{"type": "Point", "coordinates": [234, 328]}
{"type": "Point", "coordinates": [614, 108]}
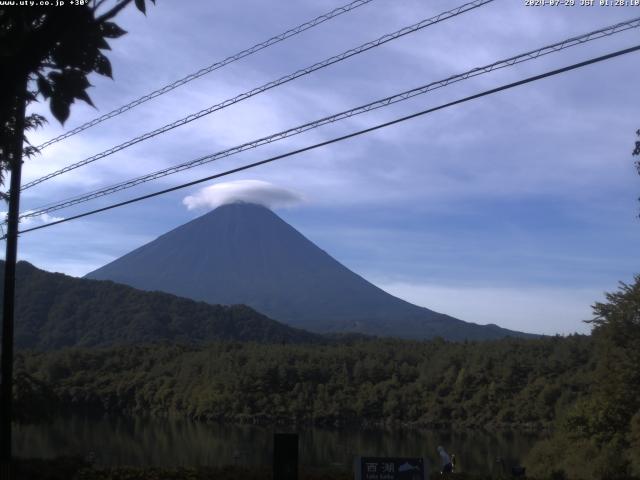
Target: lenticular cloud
{"type": "Point", "coordinates": [247, 191]}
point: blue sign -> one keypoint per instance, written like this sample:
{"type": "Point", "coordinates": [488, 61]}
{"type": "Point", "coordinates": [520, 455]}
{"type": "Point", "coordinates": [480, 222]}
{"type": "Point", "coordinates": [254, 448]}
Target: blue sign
{"type": "Point", "coordinates": [390, 468]}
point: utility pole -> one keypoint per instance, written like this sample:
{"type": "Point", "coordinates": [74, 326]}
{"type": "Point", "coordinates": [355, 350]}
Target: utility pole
{"type": "Point", "coordinates": [6, 388]}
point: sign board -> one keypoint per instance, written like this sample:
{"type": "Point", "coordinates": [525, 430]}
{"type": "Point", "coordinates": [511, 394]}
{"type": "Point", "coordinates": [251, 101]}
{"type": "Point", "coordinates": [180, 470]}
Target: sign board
{"type": "Point", "coordinates": [391, 468]}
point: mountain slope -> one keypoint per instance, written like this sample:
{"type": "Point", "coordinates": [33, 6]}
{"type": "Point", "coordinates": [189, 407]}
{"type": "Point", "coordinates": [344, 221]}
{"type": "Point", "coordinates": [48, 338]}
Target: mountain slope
{"type": "Point", "coordinates": [244, 253]}
{"type": "Point", "coordinates": [55, 311]}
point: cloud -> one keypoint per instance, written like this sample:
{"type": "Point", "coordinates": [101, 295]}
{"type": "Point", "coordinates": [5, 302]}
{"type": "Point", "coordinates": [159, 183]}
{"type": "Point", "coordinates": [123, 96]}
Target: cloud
{"type": "Point", "coordinates": [38, 219]}
{"type": "Point", "coordinates": [42, 218]}
{"type": "Point", "coordinates": [249, 191]}
{"type": "Point", "coordinates": [29, 221]}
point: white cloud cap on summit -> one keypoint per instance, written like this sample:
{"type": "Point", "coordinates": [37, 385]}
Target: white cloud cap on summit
{"type": "Point", "coordinates": [250, 191]}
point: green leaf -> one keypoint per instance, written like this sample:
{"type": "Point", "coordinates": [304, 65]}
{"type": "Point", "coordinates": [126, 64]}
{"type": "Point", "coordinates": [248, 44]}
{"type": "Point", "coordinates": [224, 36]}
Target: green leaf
{"type": "Point", "coordinates": [111, 30]}
{"type": "Point", "coordinates": [103, 66]}
{"type": "Point", "coordinates": [30, 151]}
{"type": "Point", "coordinates": [141, 6]}
{"type": "Point", "coordinates": [59, 108]}
{"type": "Point", "coordinates": [71, 84]}
{"type": "Point", "coordinates": [84, 96]}
{"type": "Point", "coordinates": [102, 44]}
{"type": "Point", "coordinates": [33, 121]}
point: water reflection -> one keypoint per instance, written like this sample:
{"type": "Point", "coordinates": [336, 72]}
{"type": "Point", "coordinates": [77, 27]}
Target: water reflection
{"type": "Point", "coordinates": [179, 442]}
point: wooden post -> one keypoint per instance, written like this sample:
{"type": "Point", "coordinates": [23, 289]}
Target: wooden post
{"type": "Point", "coordinates": [6, 388]}
{"type": "Point", "coordinates": [285, 456]}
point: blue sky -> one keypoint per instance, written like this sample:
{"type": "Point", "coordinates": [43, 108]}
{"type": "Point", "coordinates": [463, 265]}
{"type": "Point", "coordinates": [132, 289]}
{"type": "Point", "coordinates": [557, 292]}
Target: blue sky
{"type": "Point", "coordinates": [518, 209]}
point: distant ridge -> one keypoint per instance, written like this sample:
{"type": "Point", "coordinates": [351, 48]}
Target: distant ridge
{"type": "Point", "coordinates": [55, 311]}
{"type": "Point", "coordinates": [243, 253]}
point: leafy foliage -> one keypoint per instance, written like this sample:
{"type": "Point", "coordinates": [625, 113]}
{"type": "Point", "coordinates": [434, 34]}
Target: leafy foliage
{"type": "Point", "coordinates": [59, 48]}
{"type": "Point", "coordinates": [507, 383]}
{"type": "Point", "coordinates": [35, 401]}
{"type": "Point", "coordinates": [600, 436]}
{"type": "Point", "coordinates": [50, 51]}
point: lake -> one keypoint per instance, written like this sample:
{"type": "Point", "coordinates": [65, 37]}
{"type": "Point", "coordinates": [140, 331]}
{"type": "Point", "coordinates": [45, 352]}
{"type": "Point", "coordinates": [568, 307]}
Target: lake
{"type": "Point", "coordinates": [179, 442]}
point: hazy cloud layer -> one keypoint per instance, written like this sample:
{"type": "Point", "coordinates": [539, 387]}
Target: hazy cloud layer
{"type": "Point", "coordinates": [248, 191]}
{"type": "Point", "coordinates": [508, 307]}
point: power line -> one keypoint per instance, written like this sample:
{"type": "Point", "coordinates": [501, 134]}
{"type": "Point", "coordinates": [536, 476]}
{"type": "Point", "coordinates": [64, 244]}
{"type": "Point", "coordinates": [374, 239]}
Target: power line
{"type": "Point", "coordinates": [215, 66]}
{"type": "Point", "coordinates": [558, 46]}
{"type": "Point", "coordinates": [267, 86]}
{"type": "Point", "coordinates": [345, 137]}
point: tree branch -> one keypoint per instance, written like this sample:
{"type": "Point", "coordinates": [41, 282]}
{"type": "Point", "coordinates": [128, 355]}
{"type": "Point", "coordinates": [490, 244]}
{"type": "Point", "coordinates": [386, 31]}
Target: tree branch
{"type": "Point", "coordinates": [113, 12]}
{"type": "Point", "coordinates": [97, 4]}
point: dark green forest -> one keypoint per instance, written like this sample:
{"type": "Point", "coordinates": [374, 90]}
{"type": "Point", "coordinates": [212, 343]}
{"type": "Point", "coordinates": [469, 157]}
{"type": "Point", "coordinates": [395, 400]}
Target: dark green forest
{"type": "Point", "coordinates": [583, 390]}
{"type": "Point", "coordinates": [437, 384]}
{"type": "Point", "coordinates": [171, 356]}
{"type": "Point", "coordinates": [599, 436]}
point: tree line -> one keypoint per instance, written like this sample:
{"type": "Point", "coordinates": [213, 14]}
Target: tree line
{"type": "Point", "coordinates": [508, 383]}
{"type": "Point", "coordinates": [583, 390]}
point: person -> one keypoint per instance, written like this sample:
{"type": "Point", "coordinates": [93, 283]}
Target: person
{"type": "Point", "coordinates": [447, 466]}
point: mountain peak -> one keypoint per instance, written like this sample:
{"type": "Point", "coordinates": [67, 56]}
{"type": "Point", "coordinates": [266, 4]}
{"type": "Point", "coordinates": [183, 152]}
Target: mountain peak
{"type": "Point", "coordinates": [240, 205]}
{"type": "Point", "coordinates": [243, 253]}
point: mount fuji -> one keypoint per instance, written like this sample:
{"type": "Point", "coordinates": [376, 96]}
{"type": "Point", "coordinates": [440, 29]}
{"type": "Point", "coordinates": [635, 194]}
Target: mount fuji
{"type": "Point", "coordinates": [243, 253]}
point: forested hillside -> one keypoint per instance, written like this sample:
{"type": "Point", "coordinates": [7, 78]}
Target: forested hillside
{"type": "Point", "coordinates": [55, 311]}
{"type": "Point", "coordinates": [585, 390]}
{"type": "Point", "coordinates": [506, 383]}
{"type": "Point", "coordinates": [599, 437]}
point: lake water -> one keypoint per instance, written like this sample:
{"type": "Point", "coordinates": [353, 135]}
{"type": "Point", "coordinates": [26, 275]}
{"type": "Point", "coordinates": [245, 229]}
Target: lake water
{"type": "Point", "coordinates": [178, 442]}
